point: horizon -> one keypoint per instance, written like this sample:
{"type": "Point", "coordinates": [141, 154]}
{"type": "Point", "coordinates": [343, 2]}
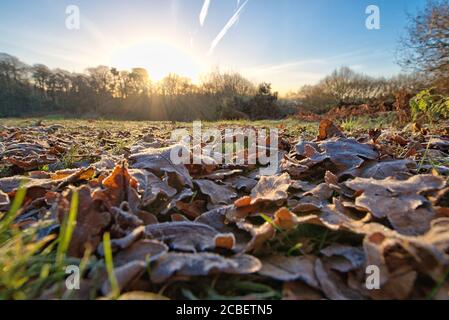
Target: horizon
{"type": "Point", "coordinates": [302, 43]}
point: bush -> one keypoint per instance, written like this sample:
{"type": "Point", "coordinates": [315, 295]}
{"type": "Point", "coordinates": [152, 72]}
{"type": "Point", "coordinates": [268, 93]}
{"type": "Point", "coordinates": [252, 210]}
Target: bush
{"type": "Point", "coordinates": [430, 106]}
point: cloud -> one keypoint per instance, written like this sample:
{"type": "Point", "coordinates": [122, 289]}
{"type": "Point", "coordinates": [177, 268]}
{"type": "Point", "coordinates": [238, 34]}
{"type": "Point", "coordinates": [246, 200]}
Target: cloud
{"type": "Point", "coordinates": [279, 68]}
{"type": "Point", "coordinates": [228, 26]}
{"type": "Point", "coordinates": [204, 11]}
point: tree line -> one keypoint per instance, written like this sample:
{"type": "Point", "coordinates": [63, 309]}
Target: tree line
{"type": "Point", "coordinates": [111, 93]}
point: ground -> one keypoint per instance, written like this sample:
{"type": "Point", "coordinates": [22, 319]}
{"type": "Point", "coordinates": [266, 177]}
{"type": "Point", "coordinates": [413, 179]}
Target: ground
{"type": "Point", "coordinates": [223, 232]}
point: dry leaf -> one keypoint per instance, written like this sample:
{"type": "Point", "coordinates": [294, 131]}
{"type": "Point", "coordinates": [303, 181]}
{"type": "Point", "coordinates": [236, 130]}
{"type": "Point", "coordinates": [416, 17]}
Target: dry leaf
{"type": "Point", "coordinates": [217, 194]}
{"type": "Point", "coordinates": [217, 219]}
{"type": "Point", "coordinates": [344, 258]}
{"type": "Point", "coordinates": [141, 250]}
{"type": "Point", "coordinates": [125, 242]}
{"type": "Point", "coordinates": [159, 162]}
{"type": "Point", "coordinates": [284, 268]}
{"type": "Point", "coordinates": [183, 236]}
{"type": "Point", "coordinates": [332, 285]}
{"type": "Point", "coordinates": [193, 209]}
{"type": "Point", "coordinates": [328, 130]}
{"type": "Point", "coordinates": [119, 187]}
{"type": "Point", "coordinates": [151, 187]}
{"type": "Point", "coordinates": [271, 189]}
{"type": "Point", "coordinates": [125, 276]}
{"type": "Point", "coordinates": [91, 221]}
{"type": "Point", "coordinates": [399, 201]}
{"type": "Point", "coordinates": [201, 264]}
{"type": "Point", "coordinates": [400, 169]}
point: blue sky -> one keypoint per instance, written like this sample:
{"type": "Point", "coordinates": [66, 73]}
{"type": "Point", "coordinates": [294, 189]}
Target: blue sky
{"type": "Point", "coordinates": [286, 42]}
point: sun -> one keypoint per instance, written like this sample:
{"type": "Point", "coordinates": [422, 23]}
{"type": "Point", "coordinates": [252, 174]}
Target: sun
{"type": "Point", "coordinates": [159, 58]}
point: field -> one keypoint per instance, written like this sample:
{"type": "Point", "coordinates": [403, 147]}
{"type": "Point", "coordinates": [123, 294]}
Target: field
{"type": "Point", "coordinates": [357, 209]}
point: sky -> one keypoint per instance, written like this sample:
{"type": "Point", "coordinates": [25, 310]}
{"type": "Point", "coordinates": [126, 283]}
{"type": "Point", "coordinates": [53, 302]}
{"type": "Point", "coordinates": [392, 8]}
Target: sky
{"type": "Point", "coordinates": [286, 42]}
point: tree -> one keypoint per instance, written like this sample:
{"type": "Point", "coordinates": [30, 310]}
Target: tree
{"type": "Point", "coordinates": [227, 84]}
{"type": "Point", "coordinates": [41, 74]}
{"type": "Point", "coordinates": [140, 81]}
{"type": "Point", "coordinates": [100, 79]}
{"type": "Point", "coordinates": [174, 85]}
{"type": "Point", "coordinates": [425, 48]}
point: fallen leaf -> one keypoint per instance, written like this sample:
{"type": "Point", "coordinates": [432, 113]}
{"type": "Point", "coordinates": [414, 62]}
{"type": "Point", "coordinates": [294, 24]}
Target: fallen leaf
{"type": "Point", "coordinates": [400, 169]}
{"type": "Point", "coordinates": [193, 209]}
{"type": "Point", "coordinates": [124, 242]}
{"type": "Point", "coordinates": [354, 256]}
{"type": "Point", "coordinates": [184, 236]}
{"type": "Point", "coordinates": [399, 201]}
{"type": "Point", "coordinates": [284, 268]}
{"type": "Point", "coordinates": [332, 285]}
{"type": "Point", "coordinates": [242, 183]}
{"type": "Point", "coordinates": [151, 187]}
{"type": "Point", "coordinates": [159, 162]}
{"type": "Point", "coordinates": [141, 250]}
{"type": "Point", "coordinates": [217, 194]}
{"type": "Point", "coordinates": [119, 186]}
{"type": "Point", "coordinates": [201, 264]}
{"type": "Point", "coordinates": [271, 189]}
{"type": "Point", "coordinates": [260, 234]}
{"type": "Point", "coordinates": [125, 276]}
{"type": "Point", "coordinates": [217, 219]}
{"type": "Point", "coordinates": [328, 129]}
{"type": "Point", "coordinates": [91, 221]}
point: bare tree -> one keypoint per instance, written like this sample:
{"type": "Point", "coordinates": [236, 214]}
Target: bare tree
{"type": "Point", "coordinates": [227, 84]}
{"type": "Point", "coordinates": [425, 48]}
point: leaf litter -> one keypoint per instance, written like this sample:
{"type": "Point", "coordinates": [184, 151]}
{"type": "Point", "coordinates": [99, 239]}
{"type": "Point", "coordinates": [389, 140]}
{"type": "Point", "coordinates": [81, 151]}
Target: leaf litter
{"type": "Point", "coordinates": [338, 204]}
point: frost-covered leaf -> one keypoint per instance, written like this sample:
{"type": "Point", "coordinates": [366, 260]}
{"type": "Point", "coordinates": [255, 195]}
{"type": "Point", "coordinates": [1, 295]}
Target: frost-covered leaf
{"type": "Point", "coordinates": [141, 250]}
{"type": "Point", "coordinates": [217, 194]}
{"type": "Point", "coordinates": [284, 268]}
{"type": "Point", "coordinates": [184, 236]}
{"type": "Point", "coordinates": [400, 201]}
{"type": "Point", "coordinates": [202, 264]}
{"type": "Point", "coordinates": [271, 189]}
{"type": "Point", "coordinates": [159, 162]}
{"type": "Point", "coordinates": [151, 187]}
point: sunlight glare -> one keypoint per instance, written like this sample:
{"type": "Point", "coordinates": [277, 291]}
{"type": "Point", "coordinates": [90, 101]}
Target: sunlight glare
{"type": "Point", "coordinates": [159, 58]}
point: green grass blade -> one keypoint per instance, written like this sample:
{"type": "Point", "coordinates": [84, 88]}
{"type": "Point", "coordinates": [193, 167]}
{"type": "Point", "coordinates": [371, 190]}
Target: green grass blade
{"type": "Point", "coordinates": [115, 290]}
{"type": "Point", "coordinates": [67, 230]}
{"type": "Point", "coordinates": [16, 205]}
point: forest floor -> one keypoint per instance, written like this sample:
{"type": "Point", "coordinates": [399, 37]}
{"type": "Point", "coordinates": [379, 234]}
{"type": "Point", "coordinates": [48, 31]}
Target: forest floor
{"type": "Point", "coordinates": [350, 201]}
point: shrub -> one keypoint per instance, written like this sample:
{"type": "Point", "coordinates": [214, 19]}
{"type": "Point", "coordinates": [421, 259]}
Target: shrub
{"type": "Point", "coordinates": [430, 106]}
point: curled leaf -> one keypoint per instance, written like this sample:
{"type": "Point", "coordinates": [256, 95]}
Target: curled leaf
{"type": "Point", "coordinates": [202, 264]}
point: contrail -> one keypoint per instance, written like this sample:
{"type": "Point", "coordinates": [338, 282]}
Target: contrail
{"type": "Point", "coordinates": [204, 11]}
{"type": "Point", "coordinates": [228, 25]}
